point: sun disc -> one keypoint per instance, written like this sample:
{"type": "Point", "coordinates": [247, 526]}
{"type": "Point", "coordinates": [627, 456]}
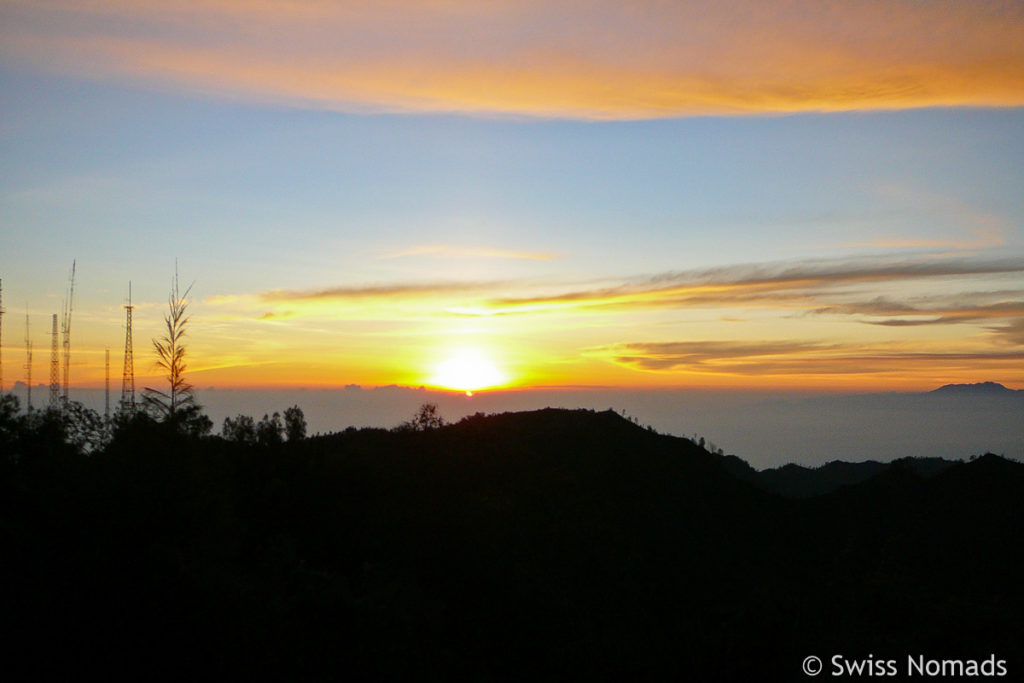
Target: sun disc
{"type": "Point", "coordinates": [468, 371]}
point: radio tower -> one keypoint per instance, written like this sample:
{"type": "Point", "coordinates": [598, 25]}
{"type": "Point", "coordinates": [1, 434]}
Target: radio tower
{"type": "Point", "coordinates": [68, 305]}
{"type": "Point", "coordinates": [54, 367]}
{"type": "Point", "coordinates": [106, 399]}
{"type": "Point", "coordinates": [28, 362]}
{"type": "Point", "coordinates": [1, 336]}
{"type": "Point", "coordinates": [128, 374]}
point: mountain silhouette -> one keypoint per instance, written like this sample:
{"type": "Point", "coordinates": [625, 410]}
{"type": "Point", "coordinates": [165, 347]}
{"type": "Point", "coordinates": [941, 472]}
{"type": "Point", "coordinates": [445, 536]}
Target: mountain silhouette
{"type": "Point", "coordinates": [977, 389]}
{"type": "Point", "coordinates": [552, 545]}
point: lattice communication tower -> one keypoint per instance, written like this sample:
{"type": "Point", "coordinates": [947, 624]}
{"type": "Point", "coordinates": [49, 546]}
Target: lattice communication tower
{"type": "Point", "coordinates": [66, 328]}
{"type": "Point", "coordinates": [128, 373]}
{"type": "Point", "coordinates": [28, 363]}
{"type": "Point", "coordinates": [106, 387]}
{"type": "Point", "coordinates": [54, 366]}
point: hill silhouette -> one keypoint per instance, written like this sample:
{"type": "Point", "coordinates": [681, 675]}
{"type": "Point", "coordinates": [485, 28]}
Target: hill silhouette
{"type": "Point", "coordinates": [549, 545]}
{"type": "Point", "coordinates": [797, 481]}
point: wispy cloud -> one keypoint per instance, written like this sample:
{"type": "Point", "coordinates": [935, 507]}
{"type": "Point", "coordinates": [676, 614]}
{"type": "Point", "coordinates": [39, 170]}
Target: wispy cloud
{"type": "Point", "coordinates": [781, 357]}
{"type": "Point", "coordinates": [443, 251]}
{"type": "Point", "coordinates": [575, 58]}
{"type": "Point", "coordinates": [1011, 333]}
{"type": "Point", "coordinates": [693, 355]}
{"type": "Point", "coordinates": [221, 299]}
{"type": "Point", "coordinates": [967, 227]}
{"type": "Point", "coordinates": [889, 313]}
{"type": "Point", "coordinates": [776, 285]}
{"type": "Point", "coordinates": [826, 287]}
{"type": "Point", "coordinates": [981, 240]}
{"type": "Point", "coordinates": [380, 291]}
{"type": "Point", "coordinates": [273, 316]}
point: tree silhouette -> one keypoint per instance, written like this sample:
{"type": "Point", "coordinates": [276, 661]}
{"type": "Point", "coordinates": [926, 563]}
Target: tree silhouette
{"type": "Point", "coordinates": [83, 427]}
{"type": "Point", "coordinates": [270, 430]}
{"type": "Point", "coordinates": [242, 429]}
{"type": "Point", "coordinates": [10, 424]}
{"type": "Point", "coordinates": [295, 424]}
{"type": "Point", "coordinates": [425, 419]}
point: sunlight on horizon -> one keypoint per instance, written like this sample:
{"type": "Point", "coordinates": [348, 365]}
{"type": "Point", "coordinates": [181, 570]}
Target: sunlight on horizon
{"type": "Point", "coordinates": [467, 370]}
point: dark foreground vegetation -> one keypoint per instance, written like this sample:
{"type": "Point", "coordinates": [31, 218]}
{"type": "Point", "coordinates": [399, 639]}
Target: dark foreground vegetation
{"type": "Point", "coordinates": [552, 545]}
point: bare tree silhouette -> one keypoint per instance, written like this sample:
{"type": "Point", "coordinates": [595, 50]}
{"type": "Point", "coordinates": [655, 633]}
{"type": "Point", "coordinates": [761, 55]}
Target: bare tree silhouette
{"type": "Point", "coordinates": [426, 418]}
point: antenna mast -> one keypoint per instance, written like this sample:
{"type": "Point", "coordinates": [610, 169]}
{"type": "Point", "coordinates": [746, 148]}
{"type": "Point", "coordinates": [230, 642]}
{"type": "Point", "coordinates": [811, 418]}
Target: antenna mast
{"type": "Point", "coordinates": [106, 385]}
{"type": "Point", "coordinates": [54, 366]}
{"type": "Point", "coordinates": [68, 306]}
{"type": "Point", "coordinates": [28, 362]}
{"type": "Point", "coordinates": [128, 373]}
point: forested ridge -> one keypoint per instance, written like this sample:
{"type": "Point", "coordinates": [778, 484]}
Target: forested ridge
{"type": "Point", "coordinates": [547, 545]}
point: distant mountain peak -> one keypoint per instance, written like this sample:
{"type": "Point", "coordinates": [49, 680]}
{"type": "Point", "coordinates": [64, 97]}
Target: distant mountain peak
{"type": "Point", "coordinates": [985, 388]}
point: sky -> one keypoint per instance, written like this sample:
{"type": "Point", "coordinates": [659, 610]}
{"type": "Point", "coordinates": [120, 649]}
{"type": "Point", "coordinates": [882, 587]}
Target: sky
{"type": "Point", "coordinates": [751, 196]}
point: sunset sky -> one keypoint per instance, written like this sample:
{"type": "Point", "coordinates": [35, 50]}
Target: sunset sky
{"type": "Point", "coordinates": [751, 195]}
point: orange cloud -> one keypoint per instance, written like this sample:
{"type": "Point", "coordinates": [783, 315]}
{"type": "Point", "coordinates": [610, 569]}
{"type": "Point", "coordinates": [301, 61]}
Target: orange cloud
{"type": "Point", "coordinates": [599, 59]}
{"type": "Point", "coordinates": [839, 287]}
{"type": "Point", "coordinates": [779, 285]}
{"type": "Point", "coordinates": [400, 290]}
{"type": "Point", "coordinates": [793, 358]}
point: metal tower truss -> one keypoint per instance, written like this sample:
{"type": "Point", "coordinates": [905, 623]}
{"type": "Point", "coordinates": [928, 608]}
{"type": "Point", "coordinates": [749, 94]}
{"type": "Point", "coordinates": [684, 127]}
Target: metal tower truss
{"type": "Point", "coordinates": [66, 328]}
{"type": "Point", "coordinates": [54, 367]}
{"type": "Point", "coordinates": [28, 362]}
{"type": "Point", "coordinates": [128, 373]}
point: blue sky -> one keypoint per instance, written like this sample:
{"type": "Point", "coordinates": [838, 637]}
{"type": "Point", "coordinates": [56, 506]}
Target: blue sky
{"type": "Point", "coordinates": [122, 169]}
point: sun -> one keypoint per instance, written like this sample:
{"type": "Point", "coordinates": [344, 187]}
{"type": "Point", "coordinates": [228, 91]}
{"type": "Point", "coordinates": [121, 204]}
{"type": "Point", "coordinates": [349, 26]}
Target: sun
{"type": "Point", "coordinates": [467, 370]}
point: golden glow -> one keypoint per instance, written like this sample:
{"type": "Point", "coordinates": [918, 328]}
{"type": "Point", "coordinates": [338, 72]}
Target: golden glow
{"type": "Point", "coordinates": [467, 370]}
{"type": "Point", "coordinates": [623, 60]}
{"type": "Point", "coordinates": [843, 324]}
